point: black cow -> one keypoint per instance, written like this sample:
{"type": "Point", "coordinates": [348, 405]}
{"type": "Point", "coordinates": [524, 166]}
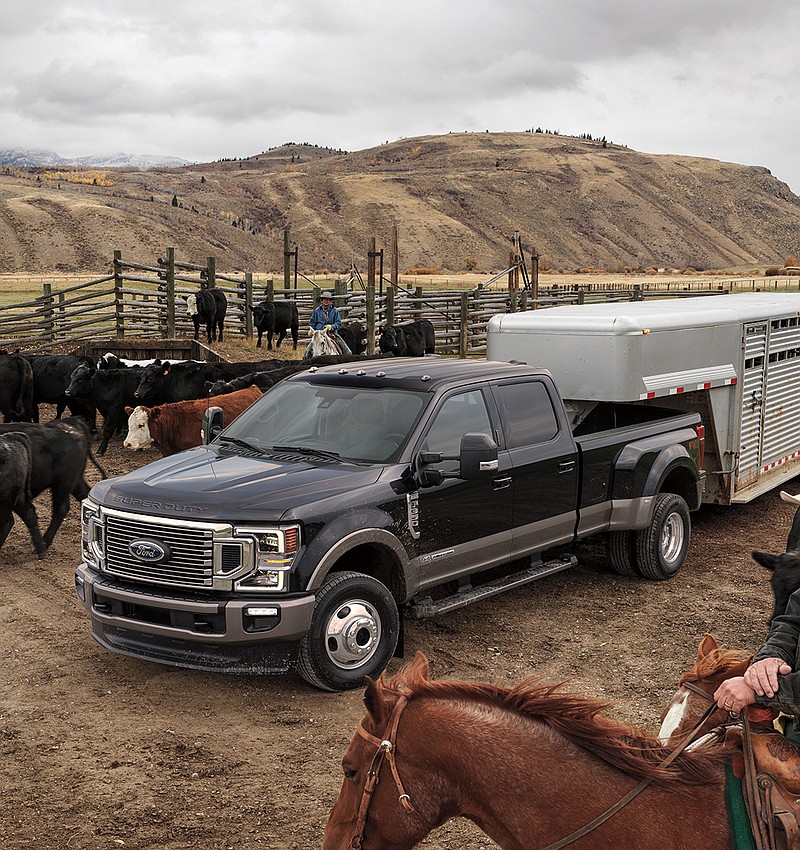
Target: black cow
{"type": "Point", "coordinates": [208, 307]}
{"type": "Point", "coordinates": [276, 317]}
{"type": "Point", "coordinates": [184, 381]}
{"type": "Point", "coordinates": [785, 569]}
{"type": "Point", "coordinates": [16, 388]}
{"type": "Point", "coordinates": [15, 488]}
{"type": "Point", "coordinates": [51, 376]}
{"type": "Point", "coordinates": [110, 391]}
{"type": "Point", "coordinates": [355, 335]}
{"type": "Point", "coordinates": [59, 451]}
{"type": "Point", "coordinates": [413, 339]}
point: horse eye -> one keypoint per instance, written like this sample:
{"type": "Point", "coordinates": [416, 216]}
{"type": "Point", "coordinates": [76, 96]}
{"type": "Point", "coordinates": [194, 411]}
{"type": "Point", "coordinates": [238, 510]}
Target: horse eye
{"type": "Point", "coordinates": [349, 773]}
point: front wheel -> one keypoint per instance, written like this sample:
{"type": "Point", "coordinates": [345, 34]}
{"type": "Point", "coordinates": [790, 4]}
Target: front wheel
{"type": "Point", "coordinates": [661, 547]}
{"type": "Point", "coordinates": [354, 631]}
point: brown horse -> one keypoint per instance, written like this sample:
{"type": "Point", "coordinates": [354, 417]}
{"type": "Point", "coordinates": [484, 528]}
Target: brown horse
{"type": "Point", "coordinates": [529, 765]}
{"type": "Point", "coordinates": [711, 667]}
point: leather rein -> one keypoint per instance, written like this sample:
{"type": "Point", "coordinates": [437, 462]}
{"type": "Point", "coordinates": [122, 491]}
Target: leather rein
{"type": "Point", "coordinates": [386, 752]}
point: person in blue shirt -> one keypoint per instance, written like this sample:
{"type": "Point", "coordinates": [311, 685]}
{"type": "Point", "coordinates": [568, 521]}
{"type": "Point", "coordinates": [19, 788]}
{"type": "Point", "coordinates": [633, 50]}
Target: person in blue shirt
{"type": "Point", "coordinates": [327, 316]}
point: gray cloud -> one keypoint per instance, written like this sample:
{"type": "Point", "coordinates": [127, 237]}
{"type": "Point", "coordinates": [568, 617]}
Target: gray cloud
{"type": "Point", "coordinates": [212, 79]}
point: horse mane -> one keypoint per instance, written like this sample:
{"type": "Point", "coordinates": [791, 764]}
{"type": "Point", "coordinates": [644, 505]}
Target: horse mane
{"type": "Point", "coordinates": [716, 661]}
{"type": "Point", "coordinates": [578, 718]}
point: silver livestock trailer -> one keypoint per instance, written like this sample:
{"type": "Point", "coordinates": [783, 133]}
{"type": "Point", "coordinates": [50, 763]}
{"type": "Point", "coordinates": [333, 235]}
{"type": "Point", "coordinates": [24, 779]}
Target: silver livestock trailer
{"type": "Point", "coordinates": [735, 359]}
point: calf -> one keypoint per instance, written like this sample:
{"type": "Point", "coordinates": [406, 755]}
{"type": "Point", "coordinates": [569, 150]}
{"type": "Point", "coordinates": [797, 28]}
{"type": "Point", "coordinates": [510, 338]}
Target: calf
{"type": "Point", "coordinates": [208, 307]}
{"type": "Point", "coordinates": [355, 335]}
{"type": "Point", "coordinates": [785, 569]}
{"type": "Point", "coordinates": [109, 390]}
{"type": "Point", "coordinates": [413, 339]}
{"type": "Point", "coordinates": [51, 376]}
{"type": "Point", "coordinates": [59, 452]}
{"type": "Point", "coordinates": [183, 381]}
{"type": "Point", "coordinates": [276, 317]}
{"type": "Point", "coordinates": [175, 427]}
{"type": "Point", "coordinates": [16, 388]}
{"type": "Point", "coordinates": [15, 488]}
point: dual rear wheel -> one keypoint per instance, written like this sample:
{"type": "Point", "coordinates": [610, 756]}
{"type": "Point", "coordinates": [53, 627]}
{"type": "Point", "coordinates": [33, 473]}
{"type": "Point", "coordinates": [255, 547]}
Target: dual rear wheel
{"type": "Point", "coordinates": [658, 551]}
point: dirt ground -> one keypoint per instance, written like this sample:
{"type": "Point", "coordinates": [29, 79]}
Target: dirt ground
{"type": "Point", "coordinates": [101, 751]}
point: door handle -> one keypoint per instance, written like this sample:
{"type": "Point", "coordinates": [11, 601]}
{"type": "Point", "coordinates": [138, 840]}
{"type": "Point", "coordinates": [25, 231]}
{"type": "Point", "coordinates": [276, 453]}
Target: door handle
{"type": "Point", "coordinates": [501, 483]}
{"type": "Point", "coordinates": [566, 466]}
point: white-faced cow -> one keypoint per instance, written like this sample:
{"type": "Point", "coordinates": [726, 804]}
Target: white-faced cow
{"type": "Point", "coordinates": [177, 426]}
{"type": "Point", "coordinates": [59, 452]}
{"type": "Point", "coordinates": [15, 488]}
{"type": "Point", "coordinates": [208, 307]}
{"type": "Point", "coordinates": [16, 388]}
{"type": "Point", "coordinates": [412, 339]}
{"type": "Point", "coordinates": [276, 318]}
{"type": "Point", "coordinates": [785, 568]}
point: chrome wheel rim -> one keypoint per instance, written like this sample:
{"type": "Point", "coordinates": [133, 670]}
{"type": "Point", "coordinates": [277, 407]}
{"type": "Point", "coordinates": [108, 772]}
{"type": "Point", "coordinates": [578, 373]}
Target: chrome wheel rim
{"type": "Point", "coordinates": [352, 634]}
{"type": "Point", "coordinates": [672, 537]}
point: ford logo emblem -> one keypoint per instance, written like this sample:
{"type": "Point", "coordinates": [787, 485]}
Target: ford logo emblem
{"type": "Point", "coordinates": [149, 551]}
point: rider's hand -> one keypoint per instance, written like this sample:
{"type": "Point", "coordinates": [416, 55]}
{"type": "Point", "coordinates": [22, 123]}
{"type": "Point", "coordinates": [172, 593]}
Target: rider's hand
{"type": "Point", "coordinates": [734, 694]}
{"type": "Point", "coordinates": [763, 675]}
{"type": "Point", "coordinates": [310, 331]}
{"type": "Point", "coordinates": [328, 328]}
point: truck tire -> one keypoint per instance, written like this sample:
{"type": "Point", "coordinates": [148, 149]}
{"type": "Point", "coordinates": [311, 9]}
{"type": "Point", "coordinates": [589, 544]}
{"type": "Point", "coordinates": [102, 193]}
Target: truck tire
{"type": "Point", "coordinates": [621, 551]}
{"type": "Point", "coordinates": [354, 631]}
{"type": "Point", "coordinates": [661, 547]}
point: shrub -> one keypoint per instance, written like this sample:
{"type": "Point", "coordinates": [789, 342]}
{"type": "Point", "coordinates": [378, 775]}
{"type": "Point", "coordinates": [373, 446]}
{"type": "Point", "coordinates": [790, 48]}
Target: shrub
{"type": "Point", "coordinates": [790, 261]}
{"type": "Point", "coordinates": [422, 270]}
{"type": "Point", "coordinates": [771, 271]}
{"type": "Point", "coordinates": [470, 264]}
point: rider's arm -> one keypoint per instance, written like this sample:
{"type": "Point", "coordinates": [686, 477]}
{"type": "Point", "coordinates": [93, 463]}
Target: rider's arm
{"type": "Point", "coordinates": [317, 320]}
{"type": "Point", "coordinates": [782, 643]}
{"type": "Point", "coordinates": [334, 319]}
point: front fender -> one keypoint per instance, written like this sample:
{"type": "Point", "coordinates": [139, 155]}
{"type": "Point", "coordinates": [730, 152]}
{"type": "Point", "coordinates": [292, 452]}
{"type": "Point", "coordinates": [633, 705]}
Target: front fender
{"type": "Point", "coordinates": [342, 535]}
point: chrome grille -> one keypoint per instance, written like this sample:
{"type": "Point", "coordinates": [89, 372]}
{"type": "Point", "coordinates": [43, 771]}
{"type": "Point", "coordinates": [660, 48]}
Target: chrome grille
{"type": "Point", "coordinates": [190, 563]}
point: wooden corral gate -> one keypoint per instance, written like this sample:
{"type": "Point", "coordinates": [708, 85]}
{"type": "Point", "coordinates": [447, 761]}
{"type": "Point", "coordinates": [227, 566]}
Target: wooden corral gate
{"type": "Point", "coordinates": [146, 349]}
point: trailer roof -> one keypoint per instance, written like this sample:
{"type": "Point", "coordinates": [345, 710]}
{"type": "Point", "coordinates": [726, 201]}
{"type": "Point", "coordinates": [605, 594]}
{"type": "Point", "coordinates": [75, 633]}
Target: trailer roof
{"type": "Point", "coordinates": [634, 317]}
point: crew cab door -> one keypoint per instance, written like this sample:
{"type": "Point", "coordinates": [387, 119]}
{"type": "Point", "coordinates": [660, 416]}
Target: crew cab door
{"type": "Point", "coordinates": [544, 461]}
{"type": "Point", "coordinates": [464, 525]}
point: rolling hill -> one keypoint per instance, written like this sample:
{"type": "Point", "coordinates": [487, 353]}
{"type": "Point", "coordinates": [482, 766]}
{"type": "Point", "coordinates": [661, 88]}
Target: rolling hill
{"type": "Point", "coordinates": [455, 199]}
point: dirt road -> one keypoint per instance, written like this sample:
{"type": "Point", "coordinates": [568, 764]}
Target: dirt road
{"type": "Point", "coordinates": [100, 751]}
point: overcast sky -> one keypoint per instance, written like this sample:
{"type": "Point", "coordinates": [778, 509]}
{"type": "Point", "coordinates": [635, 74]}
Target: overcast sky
{"type": "Point", "coordinates": [207, 79]}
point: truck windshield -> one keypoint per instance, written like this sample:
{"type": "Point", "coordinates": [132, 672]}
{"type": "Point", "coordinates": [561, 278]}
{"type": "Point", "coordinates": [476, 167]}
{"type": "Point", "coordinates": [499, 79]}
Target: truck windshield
{"type": "Point", "coordinates": [362, 425]}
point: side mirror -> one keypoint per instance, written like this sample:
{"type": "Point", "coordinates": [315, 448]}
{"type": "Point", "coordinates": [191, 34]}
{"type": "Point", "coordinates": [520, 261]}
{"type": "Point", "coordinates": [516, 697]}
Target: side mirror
{"type": "Point", "coordinates": [478, 457]}
{"type": "Point", "coordinates": [212, 425]}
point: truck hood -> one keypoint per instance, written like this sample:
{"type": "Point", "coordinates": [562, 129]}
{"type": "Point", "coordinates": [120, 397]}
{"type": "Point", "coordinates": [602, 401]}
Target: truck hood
{"type": "Point", "coordinates": [205, 484]}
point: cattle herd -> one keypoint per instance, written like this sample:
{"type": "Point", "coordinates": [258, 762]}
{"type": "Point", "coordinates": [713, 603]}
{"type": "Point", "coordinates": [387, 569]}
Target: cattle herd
{"type": "Point", "coordinates": [151, 402]}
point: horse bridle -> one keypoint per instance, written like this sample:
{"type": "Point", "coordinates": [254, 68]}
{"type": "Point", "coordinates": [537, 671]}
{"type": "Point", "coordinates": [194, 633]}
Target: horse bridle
{"type": "Point", "coordinates": [385, 751]}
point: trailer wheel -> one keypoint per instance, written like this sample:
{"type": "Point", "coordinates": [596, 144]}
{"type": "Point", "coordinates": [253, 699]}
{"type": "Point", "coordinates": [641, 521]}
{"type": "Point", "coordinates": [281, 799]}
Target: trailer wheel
{"type": "Point", "coordinates": [661, 547]}
{"type": "Point", "coordinates": [621, 551]}
{"type": "Point", "coordinates": [354, 631]}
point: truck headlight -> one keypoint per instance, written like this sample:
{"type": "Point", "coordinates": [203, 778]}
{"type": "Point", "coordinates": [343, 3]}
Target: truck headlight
{"type": "Point", "coordinates": [91, 533]}
{"type": "Point", "coordinates": [274, 553]}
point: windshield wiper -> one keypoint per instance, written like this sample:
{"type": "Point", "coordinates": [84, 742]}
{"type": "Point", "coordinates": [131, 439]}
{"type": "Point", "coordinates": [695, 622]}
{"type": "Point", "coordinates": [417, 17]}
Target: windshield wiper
{"type": "Point", "coordinates": [304, 450]}
{"type": "Point", "coordinates": [243, 443]}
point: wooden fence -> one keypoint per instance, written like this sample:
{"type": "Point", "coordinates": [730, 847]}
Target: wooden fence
{"type": "Point", "coordinates": [144, 301]}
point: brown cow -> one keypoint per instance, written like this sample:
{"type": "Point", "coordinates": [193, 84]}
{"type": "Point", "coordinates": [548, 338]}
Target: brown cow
{"type": "Point", "coordinates": [175, 427]}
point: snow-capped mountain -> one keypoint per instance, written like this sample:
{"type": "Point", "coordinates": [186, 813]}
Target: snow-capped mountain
{"type": "Point", "coordinates": [36, 157]}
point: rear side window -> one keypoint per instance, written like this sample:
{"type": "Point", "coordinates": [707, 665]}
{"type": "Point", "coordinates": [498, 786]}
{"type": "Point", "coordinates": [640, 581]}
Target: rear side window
{"type": "Point", "coordinates": [527, 413]}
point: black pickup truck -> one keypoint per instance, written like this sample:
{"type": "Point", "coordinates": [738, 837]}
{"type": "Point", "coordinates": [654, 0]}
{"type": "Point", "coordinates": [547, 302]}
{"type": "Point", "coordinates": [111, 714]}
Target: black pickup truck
{"type": "Point", "coordinates": [350, 497]}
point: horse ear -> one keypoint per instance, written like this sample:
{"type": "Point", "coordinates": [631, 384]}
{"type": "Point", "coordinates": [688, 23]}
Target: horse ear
{"type": "Point", "coordinates": [375, 704]}
{"type": "Point", "coordinates": [419, 667]}
{"type": "Point", "coordinates": [708, 645]}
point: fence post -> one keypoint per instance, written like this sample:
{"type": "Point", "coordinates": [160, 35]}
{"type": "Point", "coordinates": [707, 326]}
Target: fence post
{"type": "Point", "coordinates": [523, 300]}
{"type": "Point", "coordinates": [49, 318]}
{"type": "Point", "coordinates": [170, 292]}
{"type": "Point", "coordinates": [637, 292]}
{"type": "Point", "coordinates": [417, 314]}
{"type": "Point", "coordinates": [287, 253]}
{"type": "Point", "coordinates": [390, 292]}
{"type": "Point", "coordinates": [248, 304]}
{"type": "Point", "coordinates": [269, 291]}
{"type": "Point", "coordinates": [119, 318]}
{"type": "Point", "coordinates": [211, 272]}
{"type": "Point", "coordinates": [462, 337]}
{"type": "Point", "coordinates": [581, 296]}
{"type": "Point", "coordinates": [370, 308]}
{"type": "Point", "coordinates": [535, 278]}
{"type": "Point", "coordinates": [371, 263]}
